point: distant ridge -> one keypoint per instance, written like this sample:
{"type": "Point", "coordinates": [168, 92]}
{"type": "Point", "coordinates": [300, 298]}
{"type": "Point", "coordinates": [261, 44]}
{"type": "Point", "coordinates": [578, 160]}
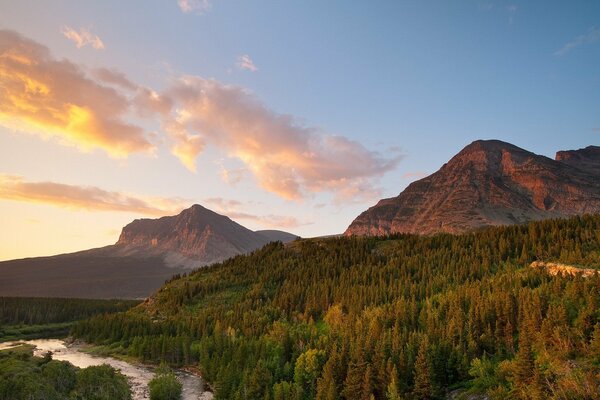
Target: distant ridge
{"type": "Point", "coordinates": [148, 252]}
{"type": "Point", "coordinates": [488, 183]}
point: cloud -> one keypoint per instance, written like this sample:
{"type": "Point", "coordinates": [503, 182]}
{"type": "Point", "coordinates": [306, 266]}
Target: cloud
{"type": "Point", "coordinates": [89, 198]}
{"type": "Point", "coordinates": [194, 6]}
{"type": "Point", "coordinates": [512, 11]}
{"type": "Point", "coordinates": [232, 176]}
{"type": "Point", "coordinates": [286, 156]}
{"type": "Point", "coordinates": [56, 98]}
{"type": "Point", "coordinates": [245, 62]}
{"type": "Point", "coordinates": [89, 109]}
{"type": "Point", "coordinates": [592, 36]}
{"type": "Point", "coordinates": [114, 77]}
{"type": "Point", "coordinates": [233, 209]}
{"type": "Point", "coordinates": [82, 38]}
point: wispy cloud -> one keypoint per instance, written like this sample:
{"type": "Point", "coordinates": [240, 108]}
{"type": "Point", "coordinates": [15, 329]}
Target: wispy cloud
{"type": "Point", "coordinates": [287, 157]}
{"type": "Point", "coordinates": [82, 38]}
{"type": "Point", "coordinates": [90, 109]}
{"type": "Point", "coordinates": [245, 62]}
{"type": "Point", "coordinates": [85, 197]}
{"type": "Point", "coordinates": [114, 77]}
{"type": "Point", "coordinates": [592, 36]}
{"type": "Point", "coordinates": [512, 11]}
{"type": "Point", "coordinates": [194, 6]}
{"type": "Point", "coordinates": [55, 98]}
{"type": "Point", "coordinates": [234, 209]}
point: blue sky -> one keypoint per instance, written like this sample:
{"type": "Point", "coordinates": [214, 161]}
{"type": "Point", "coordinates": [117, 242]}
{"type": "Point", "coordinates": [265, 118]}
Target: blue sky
{"type": "Point", "coordinates": [409, 81]}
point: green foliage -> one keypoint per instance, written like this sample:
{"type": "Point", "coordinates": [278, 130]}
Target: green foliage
{"type": "Point", "coordinates": [165, 385]}
{"type": "Point", "coordinates": [102, 382]}
{"type": "Point", "coordinates": [25, 377]}
{"type": "Point", "coordinates": [346, 318]}
{"type": "Point", "coordinates": [61, 375]}
{"type": "Point", "coordinates": [39, 310]}
{"type": "Point", "coordinates": [484, 374]}
{"type": "Point", "coordinates": [34, 318]}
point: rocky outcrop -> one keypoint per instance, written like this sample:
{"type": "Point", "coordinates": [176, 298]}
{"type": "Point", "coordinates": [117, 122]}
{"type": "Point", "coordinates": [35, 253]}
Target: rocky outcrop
{"type": "Point", "coordinates": [195, 237]}
{"type": "Point", "coordinates": [587, 159]}
{"type": "Point", "coordinates": [563, 269]}
{"type": "Point", "coordinates": [488, 183]}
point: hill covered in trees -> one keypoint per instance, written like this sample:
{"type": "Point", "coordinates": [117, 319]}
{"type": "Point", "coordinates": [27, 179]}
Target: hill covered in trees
{"type": "Point", "coordinates": [400, 317]}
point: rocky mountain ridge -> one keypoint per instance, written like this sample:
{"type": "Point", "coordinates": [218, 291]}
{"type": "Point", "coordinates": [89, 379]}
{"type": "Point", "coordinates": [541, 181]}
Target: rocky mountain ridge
{"type": "Point", "coordinates": [489, 183]}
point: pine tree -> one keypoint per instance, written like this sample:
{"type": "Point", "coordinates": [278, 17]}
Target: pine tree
{"type": "Point", "coordinates": [423, 388]}
{"type": "Point", "coordinates": [392, 392]}
{"type": "Point", "coordinates": [524, 361]}
{"type": "Point", "coordinates": [327, 384]}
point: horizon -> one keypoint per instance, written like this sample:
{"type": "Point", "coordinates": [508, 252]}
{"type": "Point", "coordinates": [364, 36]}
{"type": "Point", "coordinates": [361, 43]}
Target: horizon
{"type": "Point", "coordinates": [292, 117]}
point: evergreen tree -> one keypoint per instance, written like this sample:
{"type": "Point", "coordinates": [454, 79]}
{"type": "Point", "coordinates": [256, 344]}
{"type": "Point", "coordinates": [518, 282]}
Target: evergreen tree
{"type": "Point", "coordinates": [423, 386]}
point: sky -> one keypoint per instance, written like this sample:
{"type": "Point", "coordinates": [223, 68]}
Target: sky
{"type": "Point", "coordinates": [293, 115]}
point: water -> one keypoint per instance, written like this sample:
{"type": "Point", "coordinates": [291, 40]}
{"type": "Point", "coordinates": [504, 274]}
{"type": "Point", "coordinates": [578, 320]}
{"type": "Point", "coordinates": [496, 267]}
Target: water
{"type": "Point", "coordinates": [139, 376]}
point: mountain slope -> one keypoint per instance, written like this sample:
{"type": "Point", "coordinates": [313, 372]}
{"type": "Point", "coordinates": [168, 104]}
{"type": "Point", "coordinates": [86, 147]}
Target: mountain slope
{"type": "Point", "coordinates": [354, 305]}
{"type": "Point", "coordinates": [489, 182]}
{"type": "Point", "coordinates": [195, 237]}
{"type": "Point", "coordinates": [148, 252]}
{"type": "Point", "coordinates": [587, 159]}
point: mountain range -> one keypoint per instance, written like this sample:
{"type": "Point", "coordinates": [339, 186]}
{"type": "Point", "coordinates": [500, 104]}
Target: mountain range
{"type": "Point", "coordinates": [148, 252]}
{"type": "Point", "coordinates": [490, 183]}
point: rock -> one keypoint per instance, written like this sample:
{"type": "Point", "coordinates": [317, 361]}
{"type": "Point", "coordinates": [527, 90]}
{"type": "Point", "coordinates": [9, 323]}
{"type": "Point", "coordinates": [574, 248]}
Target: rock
{"type": "Point", "coordinates": [488, 183]}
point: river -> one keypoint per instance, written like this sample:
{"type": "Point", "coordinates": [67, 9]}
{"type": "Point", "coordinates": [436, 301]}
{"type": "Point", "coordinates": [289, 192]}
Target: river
{"type": "Point", "coordinates": [138, 375]}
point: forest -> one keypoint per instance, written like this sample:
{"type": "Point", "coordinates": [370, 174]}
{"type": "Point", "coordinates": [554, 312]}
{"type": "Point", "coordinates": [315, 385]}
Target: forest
{"type": "Point", "coordinates": [399, 317]}
{"type": "Point", "coordinates": [36, 317]}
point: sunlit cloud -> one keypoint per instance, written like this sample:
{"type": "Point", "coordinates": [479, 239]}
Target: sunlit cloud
{"type": "Point", "coordinates": [287, 157]}
{"type": "Point", "coordinates": [245, 62]}
{"type": "Point", "coordinates": [89, 198]}
{"type": "Point", "coordinates": [56, 98]}
{"type": "Point", "coordinates": [114, 77]}
{"type": "Point", "coordinates": [234, 209]}
{"type": "Point", "coordinates": [82, 38]}
{"type": "Point", "coordinates": [592, 36]}
{"type": "Point", "coordinates": [232, 176]}
{"type": "Point", "coordinates": [194, 6]}
{"type": "Point", "coordinates": [89, 109]}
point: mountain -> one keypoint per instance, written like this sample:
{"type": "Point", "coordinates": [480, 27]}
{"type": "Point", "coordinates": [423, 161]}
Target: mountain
{"type": "Point", "coordinates": [195, 237]}
{"type": "Point", "coordinates": [148, 252]}
{"type": "Point", "coordinates": [587, 159]}
{"type": "Point", "coordinates": [273, 235]}
{"type": "Point", "coordinates": [489, 182]}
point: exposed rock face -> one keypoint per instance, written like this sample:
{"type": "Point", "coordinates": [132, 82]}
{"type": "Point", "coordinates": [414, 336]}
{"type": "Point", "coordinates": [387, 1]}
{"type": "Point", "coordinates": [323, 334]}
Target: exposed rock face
{"type": "Point", "coordinates": [195, 237]}
{"type": "Point", "coordinates": [587, 159]}
{"type": "Point", "coordinates": [563, 269]}
{"type": "Point", "coordinates": [488, 183]}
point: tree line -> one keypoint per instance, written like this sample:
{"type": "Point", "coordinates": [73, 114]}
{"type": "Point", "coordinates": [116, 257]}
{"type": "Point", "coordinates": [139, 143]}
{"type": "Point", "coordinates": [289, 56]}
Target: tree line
{"type": "Point", "coordinates": [398, 317]}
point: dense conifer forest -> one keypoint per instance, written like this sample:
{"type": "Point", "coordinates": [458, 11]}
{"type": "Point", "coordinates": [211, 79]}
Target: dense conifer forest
{"type": "Point", "coordinates": [403, 317]}
{"type": "Point", "coordinates": [36, 317]}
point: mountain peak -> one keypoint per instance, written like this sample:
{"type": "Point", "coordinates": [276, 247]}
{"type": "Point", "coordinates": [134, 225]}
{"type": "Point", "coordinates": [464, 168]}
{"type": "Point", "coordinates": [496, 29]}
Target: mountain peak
{"type": "Point", "coordinates": [196, 236]}
{"type": "Point", "coordinates": [489, 182]}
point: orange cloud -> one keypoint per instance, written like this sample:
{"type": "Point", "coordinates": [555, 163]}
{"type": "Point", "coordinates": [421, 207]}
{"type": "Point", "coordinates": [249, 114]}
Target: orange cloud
{"type": "Point", "coordinates": [55, 98]}
{"type": "Point", "coordinates": [287, 157]}
{"type": "Point", "coordinates": [85, 197]}
{"type": "Point", "coordinates": [82, 38]}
